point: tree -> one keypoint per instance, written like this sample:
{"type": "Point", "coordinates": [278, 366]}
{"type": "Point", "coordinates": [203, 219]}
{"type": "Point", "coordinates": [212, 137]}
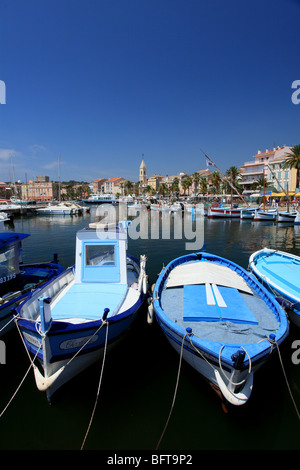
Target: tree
{"type": "Point", "coordinates": [216, 180]}
{"type": "Point", "coordinates": [293, 161]}
{"type": "Point", "coordinates": [261, 183]}
{"type": "Point", "coordinates": [175, 185]}
{"type": "Point", "coordinates": [203, 185]}
{"type": "Point", "coordinates": [232, 175]}
{"type": "Point", "coordinates": [196, 180]}
{"type": "Point", "coordinates": [163, 189]}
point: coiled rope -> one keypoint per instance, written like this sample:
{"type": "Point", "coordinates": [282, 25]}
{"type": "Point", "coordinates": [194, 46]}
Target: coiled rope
{"type": "Point", "coordinates": [175, 393]}
{"type": "Point", "coordinates": [99, 385]}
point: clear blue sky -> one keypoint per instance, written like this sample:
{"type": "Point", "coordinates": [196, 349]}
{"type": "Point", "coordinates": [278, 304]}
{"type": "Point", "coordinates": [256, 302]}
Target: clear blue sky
{"type": "Point", "coordinates": [101, 82]}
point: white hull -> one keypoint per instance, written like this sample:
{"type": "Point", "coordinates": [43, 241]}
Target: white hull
{"type": "Point", "coordinates": [285, 216]}
{"type": "Point", "coordinates": [265, 215]}
{"type": "Point", "coordinates": [223, 212]}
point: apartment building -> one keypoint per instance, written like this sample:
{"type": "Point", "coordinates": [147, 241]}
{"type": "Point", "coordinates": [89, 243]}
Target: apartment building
{"type": "Point", "coordinates": [269, 165]}
{"type": "Point", "coordinates": [40, 189]}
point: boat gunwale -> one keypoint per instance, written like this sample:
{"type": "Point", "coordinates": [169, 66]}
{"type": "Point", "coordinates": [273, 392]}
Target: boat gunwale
{"type": "Point", "coordinates": [283, 326]}
{"type": "Point", "coordinates": [267, 280]}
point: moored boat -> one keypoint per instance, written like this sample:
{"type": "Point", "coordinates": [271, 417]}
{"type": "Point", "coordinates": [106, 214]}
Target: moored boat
{"type": "Point", "coordinates": [266, 215]}
{"type": "Point", "coordinates": [287, 216]}
{"type": "Point", "coordinates": [61, 208]}
{"type": "Point", "coordinates": [89, 307]}
{"type": "Point", "coordinates": [18, 280]}
{"type": "Point", "coordinates": [214, 212]}
{"type": "Point", "coordinates": [220, 318]}
{"type": "Point", "coordinates": [280, 273]}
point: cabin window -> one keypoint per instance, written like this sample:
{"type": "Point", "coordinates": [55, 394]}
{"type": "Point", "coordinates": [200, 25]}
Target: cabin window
{"type": "Point", "coordinates": [8, 263]}
{"type": "Point", "coordinates": [100, 255]}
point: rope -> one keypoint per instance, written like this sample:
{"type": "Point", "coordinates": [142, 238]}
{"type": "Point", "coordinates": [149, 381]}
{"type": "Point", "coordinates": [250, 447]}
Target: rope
{"type": "Point", "coordinates": [175, 393]}
{"type": "Point", "coordinates": [98, 391]}
{"type": "Point", "coordinates": [286, 380]}
{"type": "Point", "coordinates": [220, 365]}
{"type": "Point", "coordinates": [19, 386]}
{"type": "Point", "coordinates": [9, 321]}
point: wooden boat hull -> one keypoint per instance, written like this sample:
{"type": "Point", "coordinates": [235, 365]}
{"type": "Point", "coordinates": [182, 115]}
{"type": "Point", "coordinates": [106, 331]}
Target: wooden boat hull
{"type": "Point", "coordinates": [220, 212]}
{"type": "Point", "coordinates": [223, 362]}
{"type": "Point", "coordinates": [286, 216]}
{"type": "Point", "coordinates": [67, 325]}
{"type": "Point", "coordinates": [279, 272]}
{"type": "Point", "coordinates": [265, 215]}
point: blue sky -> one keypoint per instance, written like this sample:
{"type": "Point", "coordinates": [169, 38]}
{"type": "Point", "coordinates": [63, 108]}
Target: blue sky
{"type": "Point", "coordinates": [103, 82]}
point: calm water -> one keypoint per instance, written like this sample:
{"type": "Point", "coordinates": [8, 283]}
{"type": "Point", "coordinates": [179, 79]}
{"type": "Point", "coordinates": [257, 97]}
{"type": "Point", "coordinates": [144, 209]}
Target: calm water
{"type": "Point", "coordinates": [139, 377]}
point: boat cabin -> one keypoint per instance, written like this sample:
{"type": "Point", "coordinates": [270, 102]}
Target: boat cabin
{"type": "Point", "coordinates": [101, 255]}
{"type": "Point", "coordinates": [10, 258]}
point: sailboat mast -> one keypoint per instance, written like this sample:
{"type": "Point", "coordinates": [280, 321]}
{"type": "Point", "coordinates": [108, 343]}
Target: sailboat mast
{"type": "Point", "coordinates": [58, 178]}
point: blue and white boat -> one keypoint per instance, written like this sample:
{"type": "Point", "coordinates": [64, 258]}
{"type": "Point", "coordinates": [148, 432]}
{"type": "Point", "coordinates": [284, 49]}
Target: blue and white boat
{"type": "Point", "coordinates": [265, 215]}
{"type": "Point", "coordinates": [87, 309]}
{"type": "Point", "coordinates": [17, 280]}
{"type": "Point", "coordinates": [220, 318]}
{"type": "Point", "coordinates": [280, 273]}
{"type": "Point", "coordinates": [287, 216]}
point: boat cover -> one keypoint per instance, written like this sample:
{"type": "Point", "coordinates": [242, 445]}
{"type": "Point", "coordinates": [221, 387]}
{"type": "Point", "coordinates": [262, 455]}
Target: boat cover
{"type": "Point", "coordinates": [203, 272]}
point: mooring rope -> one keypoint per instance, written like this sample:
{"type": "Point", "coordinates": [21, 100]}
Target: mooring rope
{"type": "Point", "coordinates": [175, 393]}
{"type": "Point", "coordinates": [19, 386]}
{"type": "Point", "coordinates": [98, 391]}
{"type": "Point", "coordinates": [286, 380]}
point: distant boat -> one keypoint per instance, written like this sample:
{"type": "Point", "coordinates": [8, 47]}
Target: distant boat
{"type": "Point", "coordinates": [100, 199]}
{"type": "Point", "coordinates": [61, 208]}
{"type": "Point", "coordinates": [280, 273]}
{"type": "Point", "coordinates": [220, 318]}
{"type": "Point", "coordinates": [90, 306]}
{"type": "Point", "coordinates": [18, 280]}
{"type": "Point", "coordinates": [221, 212]}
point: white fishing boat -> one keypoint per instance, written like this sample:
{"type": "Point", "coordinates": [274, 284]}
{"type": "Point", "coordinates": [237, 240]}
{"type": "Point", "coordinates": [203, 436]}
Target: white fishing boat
{"type": "Point", "coordinates": [287, 216]}
{"type": "Point", "coordinates": [265, 215]}
{"type": "Point", "coordinates": [61, 208]}
{"type": "Point", "coordinates": [87, 309]}
{"type": "Point", "coordinates": [221, 212]}
{"type": "Point", "coordinates": [221, 320]}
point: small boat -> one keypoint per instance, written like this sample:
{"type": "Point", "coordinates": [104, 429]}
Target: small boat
{"type": "Point", "coordinates": [61, 208]}
{"type": "Point", "coordinates": [266, 215]}
{"type": "Point", "coordinates": [279, 272]}
{"type": "Point", "coordinates": [248, 213]}
{"type": "Point", "coordinates": [70, 321]}
{"type": "Point", "coordinates": [100, 199]}
{"type": "Point", "coordinates": [18, 280]}
{"type": "Point", "coordinates": [220, 318]}
{"type": "Point", "coordinates": [287, 216]}
{"type": "Point", "coordinates": [214, 212]}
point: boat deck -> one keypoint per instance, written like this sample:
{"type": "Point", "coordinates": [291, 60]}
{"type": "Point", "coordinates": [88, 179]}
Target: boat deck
{"type": "Point", "coordinates": [225, 311]}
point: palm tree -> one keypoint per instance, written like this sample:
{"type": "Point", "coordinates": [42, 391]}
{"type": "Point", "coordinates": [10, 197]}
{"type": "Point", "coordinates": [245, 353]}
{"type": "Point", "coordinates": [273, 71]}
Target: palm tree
{"type": "Point", "coordinates": [216, 180]}
{"type": "Point", "coordinates": [175, 185]}
{"type": "Point", "coordinates": [203, 185]}
{"type": "Point", "coordinates": [232, 175]}
{"type": "Point", "coordinates": [185, 185]}
{"type": "Point", "coordinates": [293, 161]}
{"type": "Point", "coordinates": [163, 189]}
{"type": "Point", "coordinates": [196, 180]}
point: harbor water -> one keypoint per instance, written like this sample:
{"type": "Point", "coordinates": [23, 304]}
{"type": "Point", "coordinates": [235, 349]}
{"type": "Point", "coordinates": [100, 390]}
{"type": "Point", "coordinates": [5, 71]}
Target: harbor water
{"type": "Point", "coordinates": [140, 375]}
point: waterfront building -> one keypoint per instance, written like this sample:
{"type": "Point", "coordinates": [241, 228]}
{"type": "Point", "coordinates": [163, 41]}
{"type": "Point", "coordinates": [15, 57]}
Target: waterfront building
{"type": "Point", "coordinates": [155, 181]}
{"type": "Point", "coordinates": [112, 186]}
{"type": "Point", "coordinates": [97, 186]}
{"type": "Point", "coordinates": [265, 164]}
{"type": "Point", "coordinates": [40, 189]}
